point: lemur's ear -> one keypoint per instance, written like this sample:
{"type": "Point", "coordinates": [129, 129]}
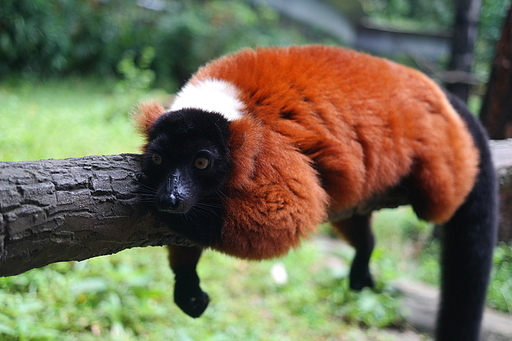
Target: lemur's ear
{"type": "Point", "coordinates": [146, 114]}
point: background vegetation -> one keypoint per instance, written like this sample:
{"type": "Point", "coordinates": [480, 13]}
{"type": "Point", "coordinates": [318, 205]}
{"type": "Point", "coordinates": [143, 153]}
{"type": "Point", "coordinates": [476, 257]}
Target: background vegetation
{"type": "Point", "coordinates": [63, 37]}
{"type": "Point", "coordinates": [70, 73]}
{"type": "Point", "coordinates": [437, 16]}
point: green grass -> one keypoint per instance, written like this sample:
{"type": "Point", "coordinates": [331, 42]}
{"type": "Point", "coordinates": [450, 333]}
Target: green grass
{"type": "Point", "coordinates": [65, 119]}
{"type": "Point", "coordinates": [128, 296]}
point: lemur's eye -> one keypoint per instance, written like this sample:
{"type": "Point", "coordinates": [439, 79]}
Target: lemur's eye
{"type": "Point", "coordinates": [156, 158]}
{"type": "Point", "coordinates": [201, 163]}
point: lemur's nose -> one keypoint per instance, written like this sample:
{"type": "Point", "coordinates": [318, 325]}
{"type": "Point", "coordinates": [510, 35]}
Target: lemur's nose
{"type": "Point", "coordinates": [170, 203]}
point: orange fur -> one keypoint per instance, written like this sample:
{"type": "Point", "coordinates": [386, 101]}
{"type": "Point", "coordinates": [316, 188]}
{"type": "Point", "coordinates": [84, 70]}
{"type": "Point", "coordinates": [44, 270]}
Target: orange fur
{"type": "Point", "coordinates": [274, 197]}
{"type": "Point", "coordinates": [145, 115]}
{"type": "Point", "coordinates": [325, 128]}
{"type": "Point", "coordinates": [366, 122]}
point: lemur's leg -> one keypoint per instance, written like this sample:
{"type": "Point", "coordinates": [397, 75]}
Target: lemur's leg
{"type": "Point", "coordinates": [358, 233]}
{"type": "Point", "coordinates": [187, 292]}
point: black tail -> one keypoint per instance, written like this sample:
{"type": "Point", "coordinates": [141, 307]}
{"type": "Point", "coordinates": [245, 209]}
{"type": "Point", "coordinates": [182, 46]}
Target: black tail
{"type": "Point", "coordinates": [468, 242]}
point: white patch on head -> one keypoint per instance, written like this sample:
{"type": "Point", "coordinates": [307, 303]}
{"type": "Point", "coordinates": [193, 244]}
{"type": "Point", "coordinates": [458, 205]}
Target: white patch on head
{"type": "Point", "coordinates": [211, 95]}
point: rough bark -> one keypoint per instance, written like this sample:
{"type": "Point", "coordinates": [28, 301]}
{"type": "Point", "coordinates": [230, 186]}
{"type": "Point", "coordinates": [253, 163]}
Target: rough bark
{"type": "Point", "coordinates": [496, 112]}
{"type": "Point", "coordinates": [73, 209]}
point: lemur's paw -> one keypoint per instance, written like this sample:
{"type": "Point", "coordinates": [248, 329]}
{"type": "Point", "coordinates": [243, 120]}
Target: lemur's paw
{"type": "Point", "coordinates": [360, 280]}
{"type": "Point", "coordinates": [192, 304]}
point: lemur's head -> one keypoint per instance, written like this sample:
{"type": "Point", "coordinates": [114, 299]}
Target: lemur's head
{"type": "Point", "coordinates": [186, 159]}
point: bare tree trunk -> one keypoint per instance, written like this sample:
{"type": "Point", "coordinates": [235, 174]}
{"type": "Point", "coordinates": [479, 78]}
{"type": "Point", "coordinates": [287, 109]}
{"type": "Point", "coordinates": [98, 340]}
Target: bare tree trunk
{"type": "Point", "coordinates": [73, 209]}
{"type": "Point", "coordinates": [496, 112]}
{"type": "Point", "coordinates": [463, 44]}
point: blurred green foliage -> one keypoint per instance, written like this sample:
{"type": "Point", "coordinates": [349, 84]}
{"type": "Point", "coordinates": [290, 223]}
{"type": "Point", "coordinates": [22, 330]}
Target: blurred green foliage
{"type": "Point", "coordinates": [63, 37]}
{"type": "Point", "coordinates": [136, 75]}
{"type": "Point", "coordinates": [128, 296]}
{"type": "Point", "coordinates": [414, 15]}
{"type": "Point", "coordinates": [437, 16]}
{"type": "Point", "coordinates": [69, 117]}
{"type": "Point", "coordinates": [492, 17]}
{"type": "Point", "coordinates": [501, 287]}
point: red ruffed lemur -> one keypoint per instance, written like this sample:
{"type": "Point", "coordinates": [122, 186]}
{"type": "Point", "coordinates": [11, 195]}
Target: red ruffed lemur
{"type": "Point", "coordinates": [262, 146]}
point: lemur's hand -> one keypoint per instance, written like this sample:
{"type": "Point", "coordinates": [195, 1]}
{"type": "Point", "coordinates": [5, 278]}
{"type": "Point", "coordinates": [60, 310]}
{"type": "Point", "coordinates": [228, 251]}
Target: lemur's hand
{"type": "Point", "coordinates": [189, 296]}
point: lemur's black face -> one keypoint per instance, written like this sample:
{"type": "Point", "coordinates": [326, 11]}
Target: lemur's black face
{"type": "Point", "coordinates": [187, 162]}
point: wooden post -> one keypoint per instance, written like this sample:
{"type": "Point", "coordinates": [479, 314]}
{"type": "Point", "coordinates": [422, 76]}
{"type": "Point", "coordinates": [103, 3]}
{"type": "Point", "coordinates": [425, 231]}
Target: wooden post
{"type": "Point", "coordinates": [463, 44]}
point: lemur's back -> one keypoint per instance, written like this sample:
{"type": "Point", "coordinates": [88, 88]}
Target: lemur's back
{"type": "Point", "coordinates": [366, 122]}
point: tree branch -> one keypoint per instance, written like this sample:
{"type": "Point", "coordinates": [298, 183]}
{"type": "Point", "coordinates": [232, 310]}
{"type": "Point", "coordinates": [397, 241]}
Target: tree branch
{"type": "Point", "coordinates": [75, 209]}
{"type": "Point", "coordinates": [72, 209]}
